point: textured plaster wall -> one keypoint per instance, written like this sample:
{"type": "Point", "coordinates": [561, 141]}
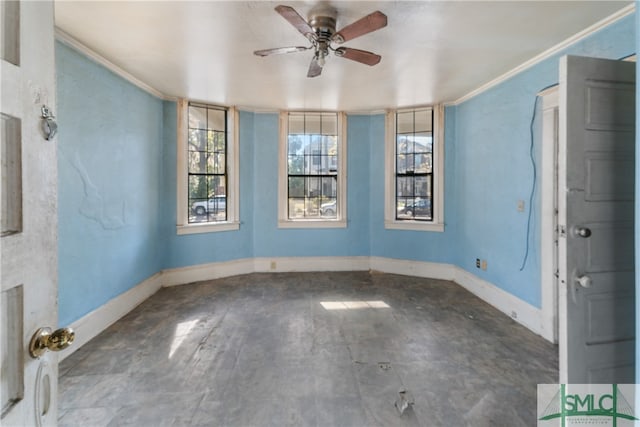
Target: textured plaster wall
{"type": "Point", "coordinates": [109, 174]}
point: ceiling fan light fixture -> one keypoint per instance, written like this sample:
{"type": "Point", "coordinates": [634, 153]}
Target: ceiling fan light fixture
{"type": "Point", "coordinates": [321, 59]}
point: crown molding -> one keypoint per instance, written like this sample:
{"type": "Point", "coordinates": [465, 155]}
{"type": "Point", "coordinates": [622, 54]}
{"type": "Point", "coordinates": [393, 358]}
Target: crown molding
{"type": "Point", "coordinates": [75, 44]}
{"type": "Point", "coordinates": [72, 42]}
{"type": "Point", "coordinates": [628, 10]}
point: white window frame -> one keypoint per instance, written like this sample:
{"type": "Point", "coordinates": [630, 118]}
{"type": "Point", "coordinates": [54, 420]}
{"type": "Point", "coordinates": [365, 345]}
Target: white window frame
{"type": "Point", "coordinates": [341, 201]}
{"type": "Point", "coordinates": [390, 221]}
{"type": "Point", "coordinates": [233, 171]}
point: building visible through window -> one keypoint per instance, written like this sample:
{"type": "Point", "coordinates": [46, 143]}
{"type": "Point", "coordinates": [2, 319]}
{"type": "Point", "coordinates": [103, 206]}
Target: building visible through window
{"type": "Point", "coordinates": [312, 165]}
{"type": "Point", "coordinates": [414, 165]}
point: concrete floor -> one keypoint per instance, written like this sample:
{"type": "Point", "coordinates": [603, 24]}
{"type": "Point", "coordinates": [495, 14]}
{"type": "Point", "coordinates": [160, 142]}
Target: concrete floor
{"type": "Point", "coordinates": [262, 350]}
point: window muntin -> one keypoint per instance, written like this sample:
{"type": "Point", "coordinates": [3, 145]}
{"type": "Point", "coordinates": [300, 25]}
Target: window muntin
{"type": "Point", "coordinates": [312, 165]}
{"type": "Point", "coordinates": [207, 164]}
{"type": "Point", "coordinates": [414, 165]}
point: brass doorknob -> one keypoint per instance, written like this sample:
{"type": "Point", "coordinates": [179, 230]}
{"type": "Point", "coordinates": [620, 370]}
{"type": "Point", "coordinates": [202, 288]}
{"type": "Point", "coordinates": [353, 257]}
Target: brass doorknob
{"type": "Point", "coordinates": [44, 340]}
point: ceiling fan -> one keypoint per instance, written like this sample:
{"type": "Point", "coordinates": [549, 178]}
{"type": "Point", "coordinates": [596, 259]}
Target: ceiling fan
{"type": "Point", "coordinates": [321, 32]}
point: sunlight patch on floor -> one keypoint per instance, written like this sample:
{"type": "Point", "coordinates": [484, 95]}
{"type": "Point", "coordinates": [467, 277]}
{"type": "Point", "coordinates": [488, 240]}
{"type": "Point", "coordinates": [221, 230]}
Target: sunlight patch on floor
{"type": "Point", "coordinates": [182, 331]}
{"type": "Point", "coordinates": [350, 305]}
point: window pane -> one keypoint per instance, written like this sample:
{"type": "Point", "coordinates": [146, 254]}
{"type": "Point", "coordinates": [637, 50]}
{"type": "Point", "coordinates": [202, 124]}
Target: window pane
{"type": "Point", "coordinates": [217, 186]}
{"type": "Point", "coordinates": [423, 120]}
{"type": "Point", "coordinates": [197, 162]}
{"type": "Point", "coordinates": [401, 163]}
{"type": "Point", "coordinates": [296, 165]}
{"type": "Point", "coordinates": [197, 140]}
{"type": "Point", "coordinates": [315, 145]}
{"type": "Point", "coordinates": [216, 120]}
{"type": "Point", "coordinates": [422, 187]}
{"type": "Point", "coordinates": [314, 187]}
{"type": "Point", "coordinates": [329, 187]}
{"type": "Point", "coordinates": [423, 142]}
{"type": "Point", "coordinates": [404, 122]}
{"type": "Point", "coordinates": [215, 163]}
{"type": "Point", "coordinates": [404, 144]}
{"type": "Point", "coordinates": [216, 141]}
{"type": "Point", "coordinates": [312, 124]}
{"type": "Point", "coordinates": [296, 186]}
{"type": "Point", "coordinates": [197, 117]}
{"type": "Point", "coordinates": [312, 206]}
{"type": "Point", "coordinates": [333, 165]}
{"type": "Point", "coordinates": [296, 144]}
{"type": "Point", "coordinates": [330, 124]}
{"type": "Point", "coordinates": [296, 208]}
{"type": "Point", "coordinates": [197, 187]}
{"type": "Point", "coordinates": [404, 186]}
{"type": "Point", "coordinates": [401, 204]}
{"type": "Point", "coordinates": [423, 163]}
{"type": "Point", "coordinates": [296, 124]}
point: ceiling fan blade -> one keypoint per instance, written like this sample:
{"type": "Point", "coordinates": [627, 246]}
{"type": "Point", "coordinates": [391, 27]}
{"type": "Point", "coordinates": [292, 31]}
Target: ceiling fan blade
{"type": "Point", "coordinates": [279, 50]}
{"type": "Point", "coordinates": [314, 68]}
{"type": "Point", "coordinates": [372, 22]}
{"type": "Point", "coordinates": [295, 19]}
{"type": "Point", "coordinates": [358, 55]}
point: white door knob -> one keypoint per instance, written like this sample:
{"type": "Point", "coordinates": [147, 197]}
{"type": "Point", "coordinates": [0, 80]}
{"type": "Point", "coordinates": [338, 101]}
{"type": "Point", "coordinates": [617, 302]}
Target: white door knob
{"type": "Point", "coordinates": [584, 281]}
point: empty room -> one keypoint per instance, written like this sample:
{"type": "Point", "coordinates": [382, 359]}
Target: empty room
{"type": "Point", "coordinates": [344, 213]}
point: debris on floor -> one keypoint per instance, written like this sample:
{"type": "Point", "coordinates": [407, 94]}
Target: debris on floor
{"type": "Point", "coordinates": [385, 366]}
{"type": "Point", "coordinates": [404, 401]}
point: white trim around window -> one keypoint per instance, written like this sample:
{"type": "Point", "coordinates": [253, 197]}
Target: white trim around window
{"type": "Point", "coordinates": [341, 198]}
{"type": "Point", "coordinates": [233, 182]}
{"type": "Point", "coordinates": [390, 220]}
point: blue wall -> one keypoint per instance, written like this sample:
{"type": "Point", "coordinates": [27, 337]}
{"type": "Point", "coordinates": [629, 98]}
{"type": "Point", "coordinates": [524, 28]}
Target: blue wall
{"type": "Point", "coordinates": [109, 170]}
{"type": "Point", "coordinates": [117, 185]}
{"type": "Point", "coordinates": [493, 168]}
{"type": "Point", "coordinates": [194, 249]}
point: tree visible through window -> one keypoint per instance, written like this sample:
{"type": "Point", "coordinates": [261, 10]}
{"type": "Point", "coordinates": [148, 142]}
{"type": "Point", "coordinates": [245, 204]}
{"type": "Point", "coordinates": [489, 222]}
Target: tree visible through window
{"type": "Point", "coordinates": [207, 163]}
{"type": "Point", "coordinates": [312, 165]}
{"type": "Point", "coordinates": [414, 165]}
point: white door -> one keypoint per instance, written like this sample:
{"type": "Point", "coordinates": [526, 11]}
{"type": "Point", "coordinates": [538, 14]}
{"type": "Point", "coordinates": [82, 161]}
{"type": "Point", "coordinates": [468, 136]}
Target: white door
{"type": "Point", "coordinates": [596, 218]}
{"type": "Point", "coordinates": [28, 242]}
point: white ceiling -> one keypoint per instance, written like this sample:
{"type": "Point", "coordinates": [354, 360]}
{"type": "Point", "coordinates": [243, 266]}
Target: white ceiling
{"type": "Point", "coordinates": [432, 51]}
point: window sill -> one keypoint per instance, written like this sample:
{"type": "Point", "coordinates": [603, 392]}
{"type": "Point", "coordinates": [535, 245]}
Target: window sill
{"type": "Point", "coordinates": [312, 223]}
{"type": "Point", "coordinates": [207, 227]}
{"type": "Point", "coordinates": [414, 225]}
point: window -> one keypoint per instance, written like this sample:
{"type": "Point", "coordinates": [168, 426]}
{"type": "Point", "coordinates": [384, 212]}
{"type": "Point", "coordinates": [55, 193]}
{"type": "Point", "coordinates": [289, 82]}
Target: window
{"type": "Point", "coordinates": [414, 163]}
{"type": "Point", "coordinates": [312, 170]}
{"type": "Point", "coordinates": [207, 168]}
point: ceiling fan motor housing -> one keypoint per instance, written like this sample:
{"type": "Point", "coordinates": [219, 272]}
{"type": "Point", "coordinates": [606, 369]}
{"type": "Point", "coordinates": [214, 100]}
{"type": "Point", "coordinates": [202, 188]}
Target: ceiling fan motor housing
{"type": "Point", "coordinates": [323, 26]}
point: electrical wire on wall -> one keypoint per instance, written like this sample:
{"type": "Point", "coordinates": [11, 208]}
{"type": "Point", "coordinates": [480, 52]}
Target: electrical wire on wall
{"type": "Point", "coordinates": [535, 175]}
{"type": "Point", "coordinates": [533, 184]}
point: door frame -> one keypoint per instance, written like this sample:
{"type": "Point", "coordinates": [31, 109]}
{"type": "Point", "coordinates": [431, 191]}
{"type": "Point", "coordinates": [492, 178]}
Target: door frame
{"type": "Point", "coordinates": [549, 171]}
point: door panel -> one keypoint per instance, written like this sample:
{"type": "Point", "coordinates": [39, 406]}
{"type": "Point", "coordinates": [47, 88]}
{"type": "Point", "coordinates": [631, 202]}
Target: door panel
{"type": "Point", "coordinates": [596, 208]}
{"type": "Point", "coordinates": [28, 241]}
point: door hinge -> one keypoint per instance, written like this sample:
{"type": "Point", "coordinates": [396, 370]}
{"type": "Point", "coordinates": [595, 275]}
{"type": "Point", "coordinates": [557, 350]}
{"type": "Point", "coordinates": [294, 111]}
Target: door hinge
{"type": "Point", "coordinates": [562, 231]}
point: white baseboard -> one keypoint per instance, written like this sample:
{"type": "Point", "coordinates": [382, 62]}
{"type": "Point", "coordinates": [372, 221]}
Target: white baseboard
{"type": "Point", "coordinates": [98, 320]}
{"type": "Point", "coordinates": [519, 310]}
{"type": "Point", "coordinates": [292, 264]}
{"type": "Point", "coordinates": [431, 270]}
{"type": "Point", "coordinates": [93, 323]}
{"type": "Point", "coordinates": [214, 270]}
